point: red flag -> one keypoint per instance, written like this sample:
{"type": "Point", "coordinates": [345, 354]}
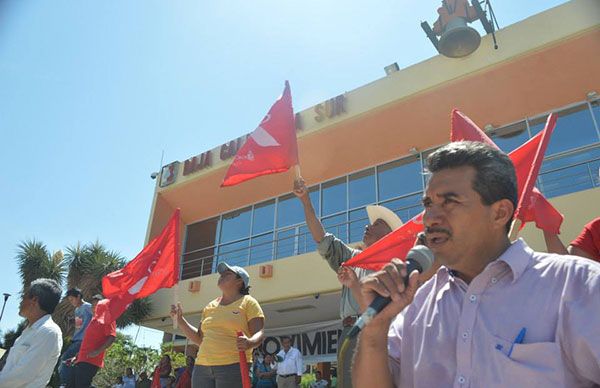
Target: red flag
{"type": "Point", "coordinates": [395, 244]}
{"type": "Point", "coordinates": [110, 309]}
{"type": "Point", "coordinates": [541, 211]}
{"type": "Point", "coordinates": [155, 267]}
{"type": "Point", "coordinates": [529, 158]}
{"type": "Point", "coordinates": [271, 148]}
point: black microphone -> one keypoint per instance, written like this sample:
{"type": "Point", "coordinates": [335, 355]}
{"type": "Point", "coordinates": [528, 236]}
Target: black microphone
{"type": "Point", "coordinates": [419, 258]}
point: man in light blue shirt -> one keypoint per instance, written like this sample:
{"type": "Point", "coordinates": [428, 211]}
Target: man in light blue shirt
{"type": "Point", "coordinates": [83, 315]}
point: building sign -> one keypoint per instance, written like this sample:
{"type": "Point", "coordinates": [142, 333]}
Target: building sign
{"type": "Point", "coordinates": [168, 174]}
{"type": "Point", "coordinates": [197, 163]}
{"type": "Point", "coordinates": [330, 108]}
{"type": "Point", "coordinates": [318, 342]}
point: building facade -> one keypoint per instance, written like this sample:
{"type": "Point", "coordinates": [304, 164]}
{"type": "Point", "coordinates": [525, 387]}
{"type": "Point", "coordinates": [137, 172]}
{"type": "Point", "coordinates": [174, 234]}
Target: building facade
{"type": "Point", "coordinates": [368, 146]}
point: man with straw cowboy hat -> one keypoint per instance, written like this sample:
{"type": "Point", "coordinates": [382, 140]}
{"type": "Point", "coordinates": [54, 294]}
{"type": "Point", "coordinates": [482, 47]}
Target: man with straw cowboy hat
{"type": "Point", "coordinates": [381, 222]}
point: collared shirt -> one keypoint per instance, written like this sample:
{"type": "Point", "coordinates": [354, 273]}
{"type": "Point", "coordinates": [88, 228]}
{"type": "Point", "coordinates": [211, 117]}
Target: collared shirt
{"type": "Point", "coordinates": [83, 316]}
{"type": "Point", "coordinates": [335, 251]}
{"type": "Point", "coordinates": [32, 358]}
{"type": "Point", "coordinates": [463, 335]}
{"type": "Point", "coordinates": [292, 362]}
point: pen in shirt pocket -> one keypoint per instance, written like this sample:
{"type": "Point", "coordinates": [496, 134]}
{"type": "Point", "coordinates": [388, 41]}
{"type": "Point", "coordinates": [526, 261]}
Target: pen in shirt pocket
{"type": "Point", "coordinates": [518, 340]}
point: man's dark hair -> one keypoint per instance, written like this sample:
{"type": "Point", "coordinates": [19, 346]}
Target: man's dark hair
{"type": "Point", "coordinates": [47, 292]}
{"type": "Point", "coordinates": [495, 177]}
{"type": "Point", "coordinates": [75, 292]}
{"type": "Point", "coordinates": [284, 337]}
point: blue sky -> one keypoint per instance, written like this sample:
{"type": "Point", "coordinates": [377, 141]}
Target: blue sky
{"type": "Point", "coordinates": [92, 92]}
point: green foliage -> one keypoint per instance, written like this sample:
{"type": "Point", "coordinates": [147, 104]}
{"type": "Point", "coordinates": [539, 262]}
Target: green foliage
{"type": "Point", "coordinates": [35, 261]}
{"type": "Point", "coordinates": [177, 359]}
{"type": "Point", "coordinates": [125, 354]}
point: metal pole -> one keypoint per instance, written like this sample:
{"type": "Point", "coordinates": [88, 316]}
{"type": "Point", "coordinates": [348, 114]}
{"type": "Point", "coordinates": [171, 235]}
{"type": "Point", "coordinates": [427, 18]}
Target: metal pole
{"type": "Point", "coordinates": [6, 296]}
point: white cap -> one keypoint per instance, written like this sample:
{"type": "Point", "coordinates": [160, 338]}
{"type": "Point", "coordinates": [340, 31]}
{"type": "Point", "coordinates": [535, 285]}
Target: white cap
{"type": "Point", "coordinates": [377, 212]}
{"type": "Point", "coordinates": [222, 267]}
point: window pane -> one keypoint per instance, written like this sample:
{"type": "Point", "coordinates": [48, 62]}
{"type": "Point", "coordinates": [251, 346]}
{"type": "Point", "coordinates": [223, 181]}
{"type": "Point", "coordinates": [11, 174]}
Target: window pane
{"type": "Point", "coordinates": [570, 173]}
{"type": "Point", "coordinates": [236, 225]}
{"type": "Point", "coordinates": [197, 263]}
{"type": "Point", "coordinates": [358, 220]}
{"type": "Point", "coordinates": [510, 137]}
{"type": "Point", "coordinates": [337, 225]}
{"type": "Point", "coordinates": [406, 207]}
{"type": "Point", "coordinates": [261, 249]}
{"type": "Point", "coordinates": [306, 243]}
{"type": "Point", "coordinates": [362, 188]}
{"type": "Point", "coordinates": [334, 196]}
{"type": "Point", "coordinates": [596, 110]}
{"type": "Point", "coordinates": [400, 177]}
{"type": "Point", "coordinates": [286, 242]}
{"type": "Point", "coordinates": [290, 211]}
{"type": "Point", "coordinates": [263, 217]}
{"type": "Point", "coordinates": [234, 253]}
{"type": "Point", "coordinates": [569, 160]}
{"type": "Point", "coordinates": [201, 234]}
{"type": "Point", "coordinates": [574, 128]}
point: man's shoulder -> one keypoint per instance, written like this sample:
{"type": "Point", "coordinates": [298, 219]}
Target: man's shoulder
{"type": "Point", "coordinates": [51, 328]}
{"type": "Point", "coordinates": [564, 264]}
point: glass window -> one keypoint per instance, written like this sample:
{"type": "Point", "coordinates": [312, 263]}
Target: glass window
{"type": "Point", "coordinates": [286, 242]}
{"type": "Point", "coordinates": [337, 225]}
{"type": "Point", "coordinates": [334, 196]}
{"type": "Point", "coordinates": [596, 111]}
{"type": "Point", "coordinates": [290, 211]}
{"type": "Point", "coordinates": [263, 217]}
{"type": "Point", "coordinates": [358, 220]}
{"type": "Point", "coordinates": [261, 248]}
{"type": "Point", "coordinates": [201, 234]}
{"type": "Point", "coordinates": [306, 243]}
{"type": "Point", "coordinates": [400, 177]}
{"type": "Point", "coordinates": [570, 173]}
{"type": "Point", "coordinates": [406, 207]}
{"type": "Point", "coordinates": [234, 253]}
{"type": "Point", "coordinates": [197, 263]}
{"type": "Point", "coordinates": [566, 180]}
{"type": "Point", "coordinates": [361, 188]}
{"type": "Point", "coordinates": [510, 137]}
{"type": "Point", "coordinates": [236, 225]}
{"type": "Point", "coordinates": [574, 128]}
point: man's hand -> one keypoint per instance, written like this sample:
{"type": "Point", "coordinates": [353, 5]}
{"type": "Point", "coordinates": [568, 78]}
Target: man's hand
{"type": "Point", "coordinates": [176, 312]}
{"type": "Point", "coordinates": [347, 277]}
{"type": "Point", "coordinates": [243, 343]}
{"type": "Point", "coordinates": [300, 189]}
{"type": "Point", "coordinates": [70, 361]}
{"type": "Point", "coordinates": [389, 282]}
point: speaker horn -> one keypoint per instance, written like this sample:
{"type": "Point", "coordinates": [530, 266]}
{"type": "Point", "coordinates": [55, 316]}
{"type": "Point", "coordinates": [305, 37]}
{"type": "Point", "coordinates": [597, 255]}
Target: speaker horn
{"type": "Point", "coordinates": [458, 39]}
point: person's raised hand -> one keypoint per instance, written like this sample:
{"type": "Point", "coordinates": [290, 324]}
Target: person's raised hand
{"type": "Point", "coordinates": [300, 190]}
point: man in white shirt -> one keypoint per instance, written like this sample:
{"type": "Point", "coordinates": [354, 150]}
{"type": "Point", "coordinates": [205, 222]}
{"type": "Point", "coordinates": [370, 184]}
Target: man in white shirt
{"type": "Point", "coordinates": [32, 358]}
{"type": "Point", "coordinates": [289, 366]}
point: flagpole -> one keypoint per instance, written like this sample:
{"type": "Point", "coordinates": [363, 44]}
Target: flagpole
{"type": "Point", "coordinates": [175, 302]}
{"type": "Point", "coordinates": [297, 172]}
{"type": "Point", "coordinates": [514, 229]}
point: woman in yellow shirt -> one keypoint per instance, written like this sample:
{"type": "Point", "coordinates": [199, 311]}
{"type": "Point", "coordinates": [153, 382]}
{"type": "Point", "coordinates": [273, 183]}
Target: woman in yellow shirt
{"type": "Point", "coordinates": [217, 362]}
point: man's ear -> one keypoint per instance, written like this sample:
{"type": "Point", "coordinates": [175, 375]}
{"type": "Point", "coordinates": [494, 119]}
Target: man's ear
{"type": "Point", "coordinates": [502, 212]}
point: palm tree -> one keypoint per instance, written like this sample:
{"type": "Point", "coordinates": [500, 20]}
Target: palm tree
{"type": "Point", "coordinates": [35, 262]}
{"type": "Point", "coordinates": [88, 264]}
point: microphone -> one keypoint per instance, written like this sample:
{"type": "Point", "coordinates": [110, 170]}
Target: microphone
{"type": "Point", "coordinates": [419, 258]}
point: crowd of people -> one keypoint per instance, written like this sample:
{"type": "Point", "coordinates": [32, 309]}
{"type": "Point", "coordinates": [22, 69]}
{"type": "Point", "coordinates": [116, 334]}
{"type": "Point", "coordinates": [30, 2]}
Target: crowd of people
{"type": "Point", "coordinates": [490, 311]}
